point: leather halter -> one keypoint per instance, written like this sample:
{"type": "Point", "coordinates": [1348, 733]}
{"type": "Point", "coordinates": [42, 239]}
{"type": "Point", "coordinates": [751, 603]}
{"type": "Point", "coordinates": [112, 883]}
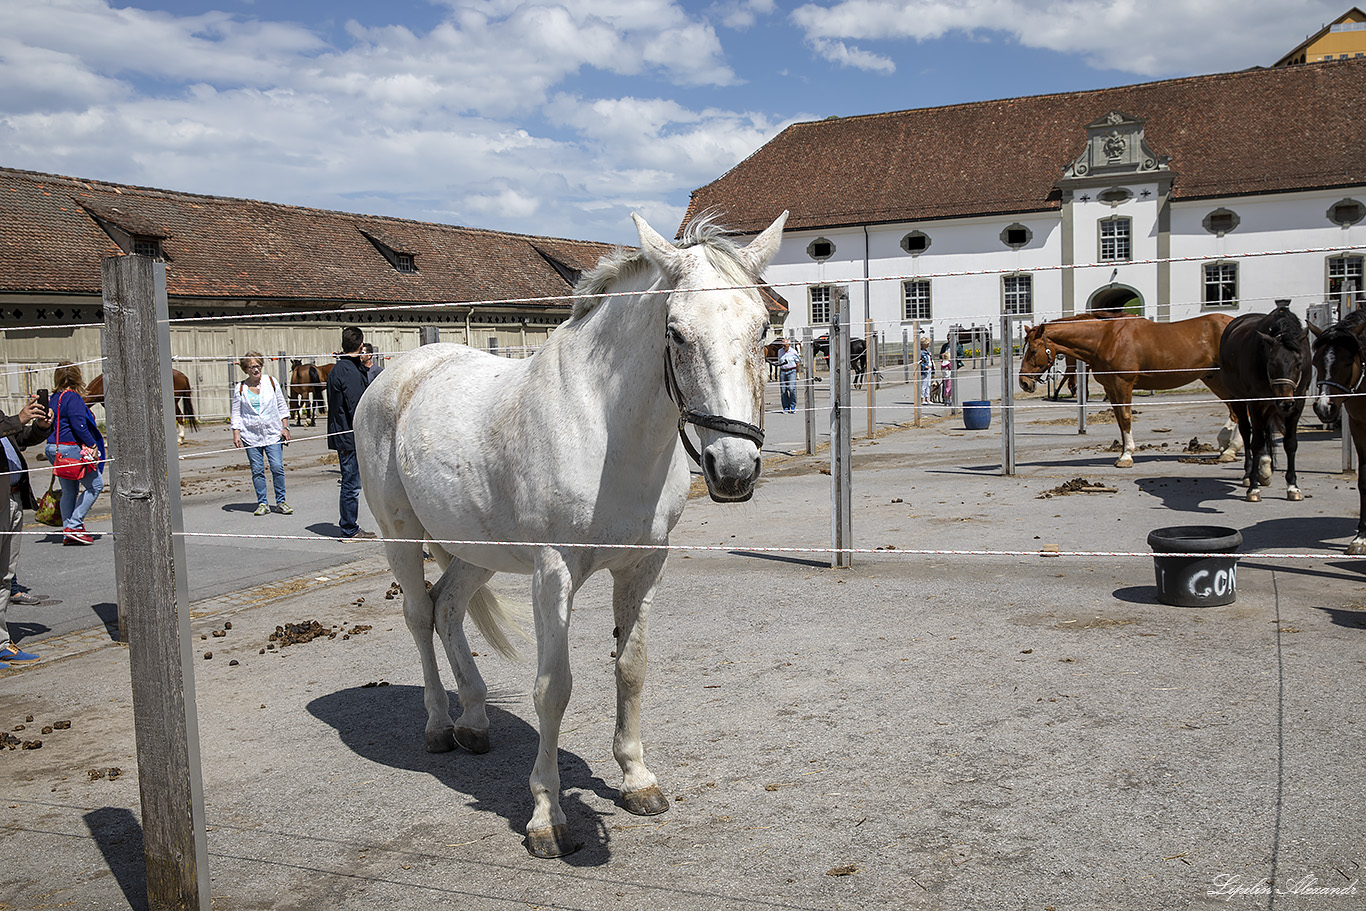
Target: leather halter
{"type": "Point", "coordinates": [715, 422]}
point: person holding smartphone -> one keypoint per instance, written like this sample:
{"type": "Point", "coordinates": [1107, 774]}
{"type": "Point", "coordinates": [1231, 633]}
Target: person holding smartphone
{"type": "Point", "coordinates": [26, 428]}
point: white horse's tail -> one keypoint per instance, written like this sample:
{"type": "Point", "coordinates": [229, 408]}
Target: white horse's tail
{"type": "Point", "coordinates": [496, 619]}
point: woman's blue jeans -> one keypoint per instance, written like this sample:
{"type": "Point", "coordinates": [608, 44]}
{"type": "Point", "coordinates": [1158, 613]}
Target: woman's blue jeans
{"type": "Point", "coordinates": [77, 496]}
{"type": "Point", "coordinates": [256, 457]}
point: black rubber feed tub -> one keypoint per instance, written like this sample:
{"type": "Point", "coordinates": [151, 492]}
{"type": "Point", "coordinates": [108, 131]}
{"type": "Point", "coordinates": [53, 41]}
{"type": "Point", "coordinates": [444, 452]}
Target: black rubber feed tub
{"type": "Point", "coordinates": [1196, 581]}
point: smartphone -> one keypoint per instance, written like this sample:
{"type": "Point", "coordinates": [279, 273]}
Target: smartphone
{"type": "Point", "coordinates": [42, 398]}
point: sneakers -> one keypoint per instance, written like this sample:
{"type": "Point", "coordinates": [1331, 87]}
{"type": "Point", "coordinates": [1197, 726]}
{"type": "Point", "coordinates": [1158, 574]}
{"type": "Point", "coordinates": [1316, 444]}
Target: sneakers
{"type": "Point", "coordinates": [24, 598]}
{"type": "Point", "coordinates": [11, 652]}
{"type": "Point", "coordinates": [262, 510]}
{"type": "Point", "coordinates": [284, 509]}
{"type": "Point", "coordinates": [361, 535]}
{"type": "Point", "coordinates": [76, 536]}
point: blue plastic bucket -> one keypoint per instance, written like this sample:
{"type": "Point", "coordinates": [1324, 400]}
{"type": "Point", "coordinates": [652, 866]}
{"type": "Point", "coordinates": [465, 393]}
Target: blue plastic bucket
{"type": "Point", "coordinates": [977, 415]}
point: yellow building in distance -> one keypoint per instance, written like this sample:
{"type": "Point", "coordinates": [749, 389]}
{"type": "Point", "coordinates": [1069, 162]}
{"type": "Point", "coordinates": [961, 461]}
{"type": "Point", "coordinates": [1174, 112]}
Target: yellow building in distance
{"type": "Point", "coordinates": [1343, 38]}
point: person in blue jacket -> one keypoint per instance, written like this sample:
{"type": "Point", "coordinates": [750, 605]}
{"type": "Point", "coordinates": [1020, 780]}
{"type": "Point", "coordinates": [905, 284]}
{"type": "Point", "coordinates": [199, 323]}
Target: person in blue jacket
{"type": "Point", "coordinates": [75, 434]}
{"type": "Point", "coordinates": [345, 385]}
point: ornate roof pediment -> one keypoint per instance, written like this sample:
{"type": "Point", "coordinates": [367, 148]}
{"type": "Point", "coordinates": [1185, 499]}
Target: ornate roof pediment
{"type": "Point", "coordinates": [1115, 145]}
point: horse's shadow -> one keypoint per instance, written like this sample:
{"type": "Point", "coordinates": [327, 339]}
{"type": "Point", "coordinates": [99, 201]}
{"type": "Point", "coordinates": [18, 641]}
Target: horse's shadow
{"type": "Point", "coordinates": [368, 719]}
{"type": "Point", "coordinates": [1189, 494]}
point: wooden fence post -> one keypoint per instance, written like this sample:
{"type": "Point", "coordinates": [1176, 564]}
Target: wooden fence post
{"type": "Point", "coordinates": [149, 566]}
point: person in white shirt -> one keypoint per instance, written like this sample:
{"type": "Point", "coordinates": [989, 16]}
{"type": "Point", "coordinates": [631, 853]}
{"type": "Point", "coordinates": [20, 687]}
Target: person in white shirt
{"type": "Point", "coordinates": [260, 424]}
{"type": "Point", "coordinates": [788, 364]}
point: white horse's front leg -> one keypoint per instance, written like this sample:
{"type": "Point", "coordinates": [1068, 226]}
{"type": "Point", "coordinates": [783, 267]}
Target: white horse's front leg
{"type": "Point", "coordinates": [1229, 440]}
{"type": "Point", "coordinates": [631, 596]}
{"type": "Point", "coordinates": [552, 592]}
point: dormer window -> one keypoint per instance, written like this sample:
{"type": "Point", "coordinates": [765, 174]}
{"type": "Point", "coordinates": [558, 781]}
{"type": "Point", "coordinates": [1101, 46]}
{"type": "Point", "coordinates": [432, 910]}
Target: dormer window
{"type": "Point", "coordinates": [131, 232]}
{"type": "Point", "coordinates": [388, 247]}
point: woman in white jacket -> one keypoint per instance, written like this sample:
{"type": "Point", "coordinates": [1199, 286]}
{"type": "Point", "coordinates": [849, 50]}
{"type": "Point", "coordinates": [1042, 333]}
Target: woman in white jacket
{"type": "Point", "coordinates": [260, 424]}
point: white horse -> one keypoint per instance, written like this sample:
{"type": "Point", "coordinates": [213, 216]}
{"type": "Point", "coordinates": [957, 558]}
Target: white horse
{"type": "Point", "coordinates": [576, 446]}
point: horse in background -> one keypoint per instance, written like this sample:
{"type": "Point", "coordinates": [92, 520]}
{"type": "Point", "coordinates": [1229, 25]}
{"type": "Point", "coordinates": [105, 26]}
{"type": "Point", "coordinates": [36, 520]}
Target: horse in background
{"type": "Point", "coordinates": [1266, 365]}
{"type": "Point", "coordinates": [181, 399]}
{"type": "Point", "coordinates": [580, 446]}
{"type": "Point", "coordinates": [307, 391]}
{"type": "Point", "coordinates": [1338, 362]}
{"type": "Point", "coordinates": [1127, 353]}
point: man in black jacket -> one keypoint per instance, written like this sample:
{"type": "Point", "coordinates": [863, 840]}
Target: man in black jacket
{"type": "Point", "coordinates": [345, 385]}
{"type": "Point", "coordinates": [29, 426]}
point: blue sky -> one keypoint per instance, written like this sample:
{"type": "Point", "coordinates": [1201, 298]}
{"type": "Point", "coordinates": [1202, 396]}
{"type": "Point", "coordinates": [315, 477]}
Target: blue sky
{"type": "Point", "coordinates": [555, 117]}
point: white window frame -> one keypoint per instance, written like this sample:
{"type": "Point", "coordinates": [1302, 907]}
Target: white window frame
{"type": "Point", "coordinates": [1346, 267]}
{"type": "Point", "coordinates": [917, 302]}
{"type": "Point", "coordinates": [820, 296]}
{"type": "Point", "coordinates": [1214, 294]}
{"type": "Point", "coordinates": [1114, 239]}
{"type": "Point", "coordinates": [1017, 294]}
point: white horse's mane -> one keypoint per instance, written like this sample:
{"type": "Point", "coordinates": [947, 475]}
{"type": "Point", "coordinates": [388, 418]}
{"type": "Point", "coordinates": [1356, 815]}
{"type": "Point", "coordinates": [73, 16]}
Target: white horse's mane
{"type": "Point", "coordinates": [624, 263]}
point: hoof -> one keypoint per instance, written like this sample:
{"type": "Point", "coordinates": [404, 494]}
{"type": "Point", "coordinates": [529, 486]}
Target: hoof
{"type": "Point", "coordinates": [1294, 494]}
{"type": "Point", "coordinates": [1246, 482]}
{"type": "Point", "coordinates": [442, 741]}
{"type": "Point", "coordinates": [1357, 547]}
{"type": "Point", "coordinates": [1254, 496]}
{"type": "Point", "coordinates": [645, 802]}
{"type": "Point", "coordinates": [1126, 462]}
{"type": "Point", "coordinates": [551, 842]}
{"type": "Point", "coordinates": [472, 740]}
{"type": "Point", "coordinates": [1228, 455]}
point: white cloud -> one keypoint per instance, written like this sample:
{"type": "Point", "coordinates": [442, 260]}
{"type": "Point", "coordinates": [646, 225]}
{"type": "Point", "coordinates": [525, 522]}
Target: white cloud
{"type": "Point", "coordinates": [431, 125]}
{"type": "Point", "coordinates": [742, 14]}
{"type": "Point", "coordinates": [846, 55]}
{"type": "Point", "coordinates": [1156, 38]}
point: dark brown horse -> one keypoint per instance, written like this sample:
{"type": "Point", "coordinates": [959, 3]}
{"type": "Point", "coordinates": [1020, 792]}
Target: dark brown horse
{"type": "Point", "coordinates": [1266, 365]}
{"type": "Point", "coordinates": [1338, 361]}
{"type": "Point", "coordinates": [1128, 353]}
{"type": "Point", "coordinates": [307, 391]}
{"type": "Point", "coordinates": [181, 398]}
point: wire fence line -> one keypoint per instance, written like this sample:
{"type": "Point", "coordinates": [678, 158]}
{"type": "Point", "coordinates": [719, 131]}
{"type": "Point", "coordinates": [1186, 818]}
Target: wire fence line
{"type": "Point", "coordinates": [742, 549]}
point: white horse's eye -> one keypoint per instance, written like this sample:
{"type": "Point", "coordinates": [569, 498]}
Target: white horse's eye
{"type": "Point", "coordinates": [676, 337]}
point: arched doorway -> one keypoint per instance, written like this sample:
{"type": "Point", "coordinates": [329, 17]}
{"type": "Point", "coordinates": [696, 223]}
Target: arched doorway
{"type": "Point", "coordinates": [1117, 299]}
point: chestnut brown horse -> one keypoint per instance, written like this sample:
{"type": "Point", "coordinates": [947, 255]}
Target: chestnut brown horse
{"type": "Point", "coordinates": [183, 400]}
{"type": "Point", "coordinates": [1127, 353]}
{"type": "Point", "coordinates": [307, 391]}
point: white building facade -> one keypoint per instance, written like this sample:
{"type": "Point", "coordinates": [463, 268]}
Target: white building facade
{"type": "Point", "coordinates": [1111, 230]}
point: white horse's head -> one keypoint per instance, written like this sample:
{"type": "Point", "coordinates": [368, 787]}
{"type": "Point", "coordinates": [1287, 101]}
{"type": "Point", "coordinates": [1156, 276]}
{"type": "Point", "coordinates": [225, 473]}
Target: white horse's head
{"type": "Point", "coordinates": [714, 336]}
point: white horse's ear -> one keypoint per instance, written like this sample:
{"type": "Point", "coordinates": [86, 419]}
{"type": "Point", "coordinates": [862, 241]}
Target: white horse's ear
{"type": "Point", "coordinates": [760, 250]}
{"type": "Point", "coordinates": [658, 250]}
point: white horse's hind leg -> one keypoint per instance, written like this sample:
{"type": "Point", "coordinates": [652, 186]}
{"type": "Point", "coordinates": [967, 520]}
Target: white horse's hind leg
{"type": "Point", "coordinates": [452, 594]}
{"type": "Point", "coordinates": [405, 560]}
{"type": "Point", "coordinates": [631, 596]}
{"type": "Point", "coordinates": [552, 593]}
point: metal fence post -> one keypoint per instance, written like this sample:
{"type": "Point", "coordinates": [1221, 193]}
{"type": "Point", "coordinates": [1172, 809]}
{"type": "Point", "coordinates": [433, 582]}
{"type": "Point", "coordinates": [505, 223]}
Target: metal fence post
{"type": "Point", "coordinates": [1007, 395]}
{"type": "Point", "coordinates": [841, 455]}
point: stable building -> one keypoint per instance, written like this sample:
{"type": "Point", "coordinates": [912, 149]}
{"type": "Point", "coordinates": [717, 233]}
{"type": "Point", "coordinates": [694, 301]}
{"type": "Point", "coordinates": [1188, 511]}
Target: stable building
{"type": "Point", "coordinates": [1167, 199]}
{"type": "Point", "coordinates": [246, 275]}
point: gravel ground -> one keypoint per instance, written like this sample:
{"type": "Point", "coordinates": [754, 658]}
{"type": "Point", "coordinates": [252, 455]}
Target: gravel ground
{"type": "Point", "coordinates": [920, 731]}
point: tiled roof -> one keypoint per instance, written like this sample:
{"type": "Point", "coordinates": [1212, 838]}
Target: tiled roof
{"type": "Point", "coordinates": [1253, 132]}
{"type": "Point", "coordinates": [220, 248]}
